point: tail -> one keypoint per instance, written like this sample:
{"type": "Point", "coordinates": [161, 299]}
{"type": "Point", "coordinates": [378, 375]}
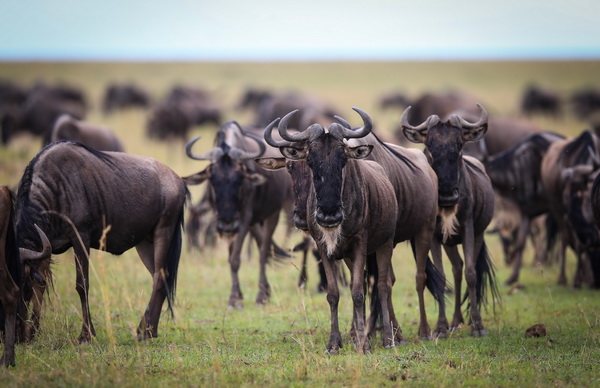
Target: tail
{"type": "Point", "coordinates": [486, 278]}
{"type": "Point", "coordinates": [173, 256]}
{"type": "Point", "coordinates": [279, 253]}
{"type": "Point", "coordinates": [435, 283]}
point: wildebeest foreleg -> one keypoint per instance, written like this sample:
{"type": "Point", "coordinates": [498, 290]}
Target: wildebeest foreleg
{"type": "Point", "coordinates": [441, 328]}
{"type": "Point", "coordinates": [357, 287]}
{"type": "Point", "coordinates": [82, 285]}
{"type": "Point", "coordinates": [457, 271]}
{"type": "Point", "coordinates": [333, 298]}
{"type": "Point", "coordinates": [9, 296]}
{"type": "Point", "coordinates": [235, 248]}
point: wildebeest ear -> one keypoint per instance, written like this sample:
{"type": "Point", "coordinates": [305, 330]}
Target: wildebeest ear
{"type": "Point", "coordinates": [270, 163]}
{"type": "Point", "coordinates": [474, 134]}
{"type": "Point", "coordinates": [414, 135]}
{"type": "Point", "coordinates": [293, 153]}
{"type": "Point", "coordinates": [359, 152]}
{"type": "Point", "coordinates": [255, 178]}
{"type": "Point", "coordinates": [197, 178]}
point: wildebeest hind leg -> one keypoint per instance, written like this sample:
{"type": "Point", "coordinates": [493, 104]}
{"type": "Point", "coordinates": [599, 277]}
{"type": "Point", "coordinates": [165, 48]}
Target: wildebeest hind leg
{"type": "Point", "coordinates": [148, 327]}
{"type": "Point", "coordinates": [264, 241]}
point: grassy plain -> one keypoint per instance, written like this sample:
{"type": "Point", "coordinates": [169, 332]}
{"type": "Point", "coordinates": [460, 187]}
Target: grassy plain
{"type": "Point", "coordinates": [283, 343]}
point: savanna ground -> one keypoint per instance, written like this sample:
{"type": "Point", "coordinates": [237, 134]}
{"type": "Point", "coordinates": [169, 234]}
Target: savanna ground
{"type": "Point", "coordinates": [283, 343]}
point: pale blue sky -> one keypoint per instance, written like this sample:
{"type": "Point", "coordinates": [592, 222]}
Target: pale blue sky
{"type": "Point", "coordinates": [298, 30]}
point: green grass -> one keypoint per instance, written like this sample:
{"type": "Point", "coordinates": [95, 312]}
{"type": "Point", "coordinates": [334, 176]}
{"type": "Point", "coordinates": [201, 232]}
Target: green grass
{"type": "Point", "coordinates": [283, 343]}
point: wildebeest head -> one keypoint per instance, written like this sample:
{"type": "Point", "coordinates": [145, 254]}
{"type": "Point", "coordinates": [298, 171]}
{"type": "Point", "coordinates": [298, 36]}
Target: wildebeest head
{"type": "Point", "coordinates": [326, 154]}
{"type": "Point", "coordinates": [230, 175]}
{"type": "Point", "coordinates": [444, 142]}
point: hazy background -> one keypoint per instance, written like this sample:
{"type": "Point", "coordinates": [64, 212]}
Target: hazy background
{"type": "Point", "coordinates": [292, 30]}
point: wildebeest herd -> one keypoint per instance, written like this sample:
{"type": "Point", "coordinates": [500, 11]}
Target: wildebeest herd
{"type": "Point", "coordinates": [354, 196]}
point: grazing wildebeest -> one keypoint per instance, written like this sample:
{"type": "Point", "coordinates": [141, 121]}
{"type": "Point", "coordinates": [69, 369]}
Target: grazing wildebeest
{"type": "Point", "coordinates": [586, 102]}
{"type": "Point", "coordinates": [577, 198]}
{"type": "Point", "coordinates": [98, 137]}
{"type": "Point", "coordinates": [394, 99]}
{"type": "Point", "coordinates": [10, 277]}
{"type": "Point", "coordinates": [466, 207]}
{"type": "Point", "coordinates": [182, 108]}
{"type": "Point", "coordinates": [324, 171]}
{"type": "Point", "coordinates": [123, 96]}
{"type": "Point", "coordinates": [43, 105]}
{"type": "Point", "coordinates": [244, 198]}
{"type": "Point", "coordinates": [540, 100]}
{"type": "Point", "coordinates": [83, 198]}
{"type": "Point", "coordinates": [583, 149]}
{"type": "Point", "coordinates": [516, 177]}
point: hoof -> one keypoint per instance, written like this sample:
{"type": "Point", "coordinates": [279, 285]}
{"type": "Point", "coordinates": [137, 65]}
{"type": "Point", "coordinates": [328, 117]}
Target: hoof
{"type": "Point", "coordinates": [478, 333]}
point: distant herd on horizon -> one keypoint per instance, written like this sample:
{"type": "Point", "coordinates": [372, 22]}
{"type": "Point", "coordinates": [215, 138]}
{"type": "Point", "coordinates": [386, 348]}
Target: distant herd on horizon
{"type": "Point", "coordinates": [355, 193]}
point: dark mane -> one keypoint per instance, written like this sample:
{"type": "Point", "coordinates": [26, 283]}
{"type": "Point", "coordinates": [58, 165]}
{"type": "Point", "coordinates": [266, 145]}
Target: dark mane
{"type": "Point", "coordinates": [403, 158]}
{"type": "Point", "coordinates": [26, 229]}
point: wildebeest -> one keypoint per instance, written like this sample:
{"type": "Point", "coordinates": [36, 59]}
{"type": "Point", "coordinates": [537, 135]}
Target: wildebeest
{"type": "Point", "coordinates": [466, 207]}
{"type": "Point", "coordinates": [98, 137]}
{"type": "Point", "coordinates": [10, 277]}
{"type": "Point", "coordinates": [182, 108]}
{"type": "Point", "coordinates": [244, 198]}
{"type": "Point", "coordinates": [581, 150]}
{"type": "Point", "coordinates": [577, 198]}
{"type": "Point", "coordinates": [119, 96]}
{"type": "Point", "coordinates": [83, 198]}
{"type": "Point", "coordinates": [585, 102]}
{"type": "Point", "coordinates": [540, 100]}
{"type": "Point", "coordinates": [318, 161]}
{"type": "Point", "coordinates": [516, 177]}
{"type": "Point", "coordinates": [268, 105]}
{"type": "Point", "coordinates": [43, 105]}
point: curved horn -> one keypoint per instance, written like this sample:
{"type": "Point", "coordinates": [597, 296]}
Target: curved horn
{"type": "Point", "coordinates": [459, 121]}
{"type": "Point", "coordinates": [28, 254]}
{"type": "Point", "coordinates": [210, 155]}
{"type": "Point", "coordinates": [240, 154]}
{"type": "Point", "coordinates": [312, 132]}
{"type": "Point", "coordinates": [431, 121]}
{"type": "Point", "coordinates": [269, 136]}
{"type": "Point", "coordinates": [347, 131]}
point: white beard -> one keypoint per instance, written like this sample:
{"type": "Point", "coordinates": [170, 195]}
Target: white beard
{"type": "Point", "coordinates": [330, 237]}
{"type": "Point", "coordinates": [448, 222]}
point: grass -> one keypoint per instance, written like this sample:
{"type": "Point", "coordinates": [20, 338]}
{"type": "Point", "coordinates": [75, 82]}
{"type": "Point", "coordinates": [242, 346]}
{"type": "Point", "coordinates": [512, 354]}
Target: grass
{"type": "Point", "coordinates": [283, 343]}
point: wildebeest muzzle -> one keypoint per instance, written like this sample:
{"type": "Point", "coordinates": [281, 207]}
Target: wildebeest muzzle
{"type": "Point", "coordinates": [329, 217]}
{"type": "Point", "coordinates": [448, 198]}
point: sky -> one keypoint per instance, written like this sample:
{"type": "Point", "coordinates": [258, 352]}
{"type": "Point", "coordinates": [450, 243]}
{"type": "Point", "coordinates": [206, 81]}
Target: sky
{"type": "Point", "coordinates": [270, 30]}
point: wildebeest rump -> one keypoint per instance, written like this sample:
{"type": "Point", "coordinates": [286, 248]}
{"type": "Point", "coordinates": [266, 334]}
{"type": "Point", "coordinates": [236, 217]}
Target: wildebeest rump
{"type": "Point", "coordinates": [83, 198]}
{"type": "Point", "coordinates": [244, 197]}
{"type": "Point", "coordinates": [98, 137]}
{"type": "Point", "coordinates": [466, 207]}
